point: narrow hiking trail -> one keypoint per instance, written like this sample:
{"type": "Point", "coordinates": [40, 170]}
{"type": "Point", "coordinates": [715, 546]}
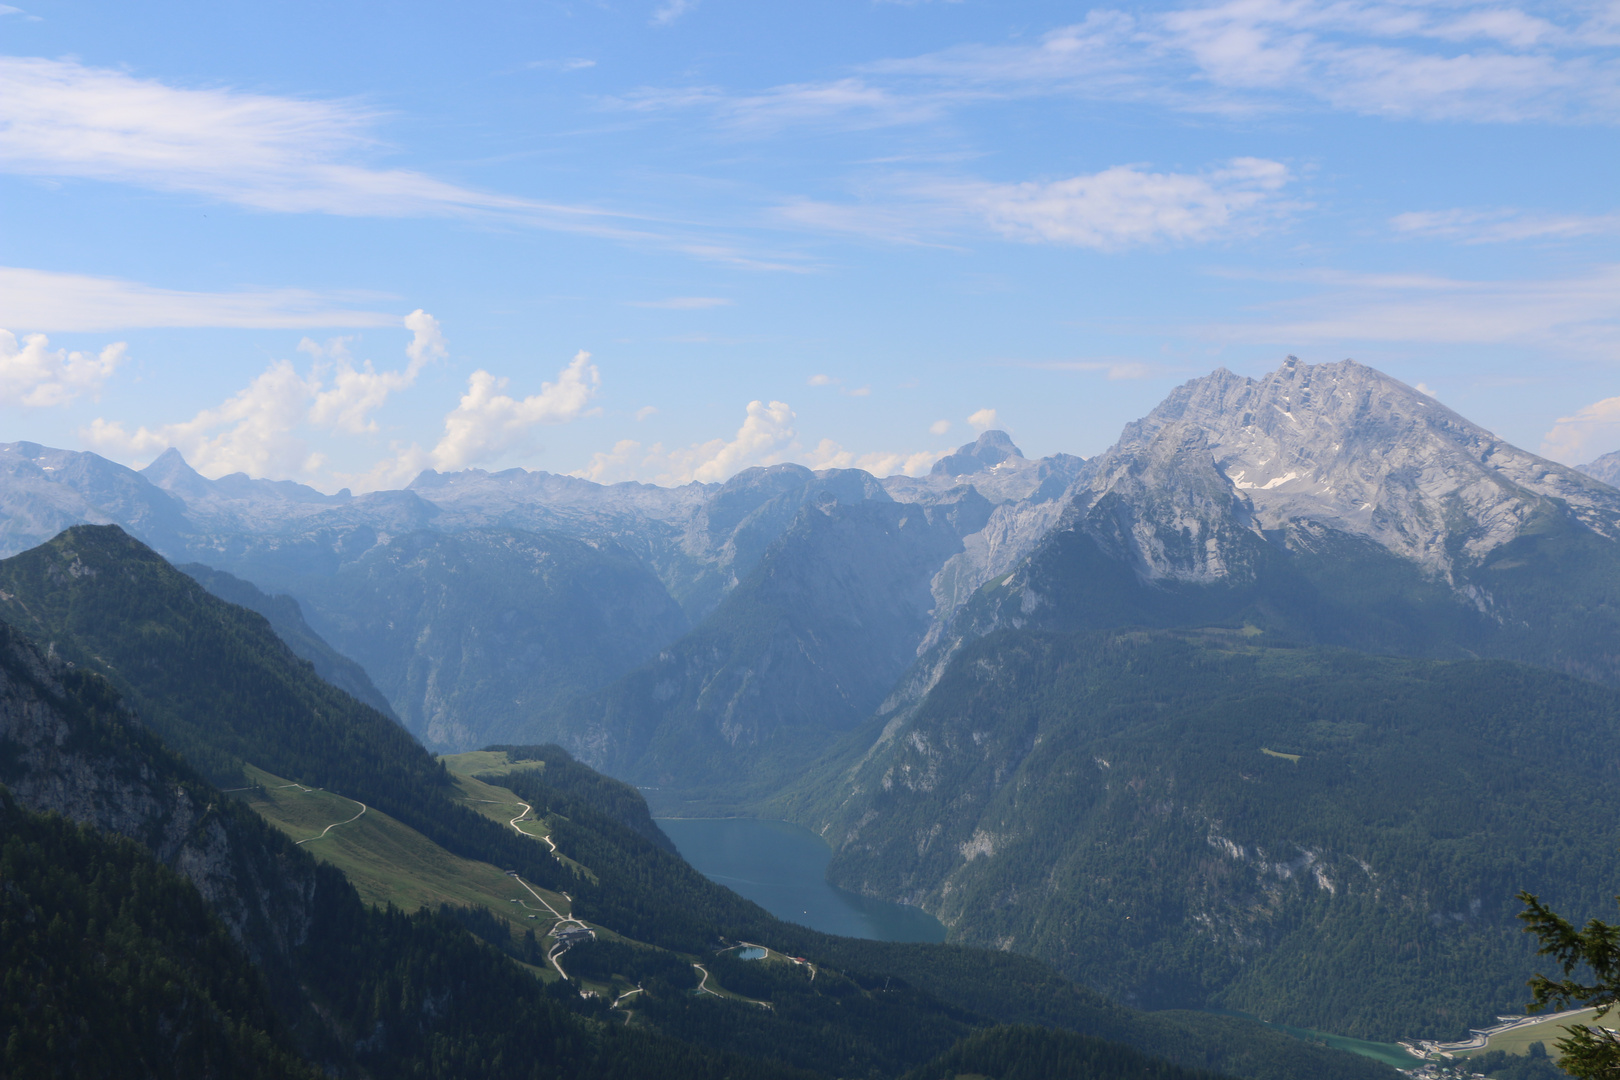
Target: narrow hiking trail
{"type": "Point", "coordinates": [703, 986]}
{"type": "Point", "coordinates": [334, 824]}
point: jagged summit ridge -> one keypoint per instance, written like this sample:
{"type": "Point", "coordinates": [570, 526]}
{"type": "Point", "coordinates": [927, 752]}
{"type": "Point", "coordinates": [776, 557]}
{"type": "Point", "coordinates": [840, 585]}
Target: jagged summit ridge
{"type": "Point", "coordinates": [1348, 447]}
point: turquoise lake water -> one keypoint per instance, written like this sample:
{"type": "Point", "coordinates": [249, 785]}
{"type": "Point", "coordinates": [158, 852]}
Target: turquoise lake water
{"type": "Point", "coordinates": [1388, 1053]}
{"type": "Point", "coordinates": [783, 869]}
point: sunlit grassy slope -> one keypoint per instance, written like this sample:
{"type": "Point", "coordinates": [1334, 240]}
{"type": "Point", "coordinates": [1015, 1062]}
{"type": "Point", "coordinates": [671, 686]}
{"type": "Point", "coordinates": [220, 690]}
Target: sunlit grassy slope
{"type": "Point", "coordinates": [391, 863]}
{"type": "Point", "coordinates": [1549, 1031]}
{"type": "Point", "coordinates": [497, 803]}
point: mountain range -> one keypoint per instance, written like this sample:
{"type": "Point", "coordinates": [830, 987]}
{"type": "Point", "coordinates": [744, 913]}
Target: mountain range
{"type": "Point", "coordinates": [159, 925]}
{"type": "Point", "coordinates": [1271, 707]}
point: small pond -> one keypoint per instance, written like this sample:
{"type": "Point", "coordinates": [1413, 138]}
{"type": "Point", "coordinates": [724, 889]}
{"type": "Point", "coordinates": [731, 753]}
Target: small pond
{"type": "Point", "coordinates": [783, 869]}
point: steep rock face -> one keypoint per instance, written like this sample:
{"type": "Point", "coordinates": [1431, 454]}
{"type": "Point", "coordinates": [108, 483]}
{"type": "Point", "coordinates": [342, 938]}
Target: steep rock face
{"type": "Point", "coordinates": [1167, 511]}
{"type": "Point", "coordinates": [801, 651]}
{"type": "Point", "coordinates": [1347, 447]}
{"type": "Point", "coordinates": [1605, 468]}
{"type": "Point", "coordinates": [477, 633]}
{"type": "Point", "coordinates": [1003, 505]}
{"type": "Point", "coordinates": [68, 745]}
{"type": "Point", "coordinates": [1332, 502]}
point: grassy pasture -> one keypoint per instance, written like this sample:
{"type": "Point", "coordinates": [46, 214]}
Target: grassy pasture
{"type": "Point", "coordinates": [497, 803]}
{"type": "Point", "coordinates": [390, 863]}
{"type": "Point", "coordinates": [1549, 1031]}
{"type": "Point", "coordinates": [486, 763]}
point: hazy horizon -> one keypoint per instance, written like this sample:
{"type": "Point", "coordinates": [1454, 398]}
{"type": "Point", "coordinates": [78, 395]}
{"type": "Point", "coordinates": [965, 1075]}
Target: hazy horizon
{"type": "Point", "coordinates": [665, 240]}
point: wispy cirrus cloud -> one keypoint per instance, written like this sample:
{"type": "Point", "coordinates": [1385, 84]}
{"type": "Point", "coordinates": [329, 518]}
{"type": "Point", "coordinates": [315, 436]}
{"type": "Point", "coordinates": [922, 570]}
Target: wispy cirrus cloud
{"type": "Point", "coordinates": [1465, 60]}
{"type": "Point", "coordinates": [276, 154]}
{"type": "Point", "coordinates": [282, 154]}
{"type": "Point", "coordinates": [670, 10]}
{"type": "Point", "coordinates": [1117, 208]}
{"type": "Point", "coordinates": [1502, 225]}
{"type": "Point", "coordinates": [48, 300]}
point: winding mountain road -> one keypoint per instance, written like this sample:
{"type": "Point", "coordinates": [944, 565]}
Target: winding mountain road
{"type": "Point", "coordinates": [514, 823]}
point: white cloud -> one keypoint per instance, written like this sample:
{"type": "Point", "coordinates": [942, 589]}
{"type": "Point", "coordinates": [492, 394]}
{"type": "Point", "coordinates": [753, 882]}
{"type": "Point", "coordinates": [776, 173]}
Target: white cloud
{"type": "Point", "coordinates": [1505, 225]}
{"type": "Point", "coordinates": [354, 393]}
{"type": "Point", "coordinates": [487, 423]}
{"type": "Point", "coordinates": [1125, 206]}
{"type": "Point", "coordinates": [829, 455]}
{"type": "Point", "coordinates": [646, 411]}
{"type": "Point", "coordinates": [1577, 315]}
{"type": "Point", "coordinates": [264, 429]}
{"type": "Point", "coordinates": [820, 380]}
{"type": "Point", "coordinates": [683, 303]}
{"type": "Point", "coordinates": [939, 427]}
{"type": "Point", "coordinates": [766, 437]}
{"type": "Point", "coordinates": [282, 154]}
{"type": "Point", "coordinates": [254, 431]}
{"type": "Point", "coordinates": [1117, 208]}
{"type": "Point", "coordinates": [36, 376]}
{"type": "Point", "coordinates": [670, 10]}
{"type": "Point", "coordinates": [1468, 60]}
{"type": "Point", "coordinates": [984, 419]}
{"type": "Point", "coordinates": [1570, 437]}
{"type": "Point", "coordinates": [849, 102]}
{"type": "Point", "coordinates": [45, 300]}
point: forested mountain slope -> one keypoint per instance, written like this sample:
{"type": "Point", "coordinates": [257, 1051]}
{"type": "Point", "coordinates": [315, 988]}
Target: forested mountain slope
{"type": "Point", "coordinates": [1320, 837]}
{"type": "Point", "coordinates": [220, 688]}
{"type": "Point", "coordinates": [353, 990]}
{"type": "Point", "coordinates": [891, 999]}
{"type": "Point", "coordinates": [400, 994]}
{"type": "Point", "coordinates": [115, 966]}
{"type": "Point", "coordinates": [286, 618]}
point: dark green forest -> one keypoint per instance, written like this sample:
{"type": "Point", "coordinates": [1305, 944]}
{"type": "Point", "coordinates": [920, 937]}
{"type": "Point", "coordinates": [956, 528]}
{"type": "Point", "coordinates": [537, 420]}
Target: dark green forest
{"type": "Point", "coordinates": [1320, 837]}
{"type": "Point", "coordinates": [114, 966]}
{"type": "Point", "coordinates": [1029, 1053]}
{"type": "Point", "coordinates": [647, 893]}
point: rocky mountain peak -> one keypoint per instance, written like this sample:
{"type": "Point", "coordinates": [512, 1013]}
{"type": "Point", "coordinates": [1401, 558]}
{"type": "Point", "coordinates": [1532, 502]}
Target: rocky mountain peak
{"type": "Point", "coordinates": [1346, 446]}
{"type": "Point", "coordinates": [1605, 468]}
{"type": "Point", "coordinates": [986, 452]}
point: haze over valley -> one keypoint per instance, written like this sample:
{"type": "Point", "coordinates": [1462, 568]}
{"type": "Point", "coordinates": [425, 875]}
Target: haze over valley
{"type": "Point", "coordinates": [854, 540]}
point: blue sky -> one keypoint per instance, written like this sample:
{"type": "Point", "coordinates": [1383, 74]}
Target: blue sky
{"type": "Point", "coordinates": [668, 239]}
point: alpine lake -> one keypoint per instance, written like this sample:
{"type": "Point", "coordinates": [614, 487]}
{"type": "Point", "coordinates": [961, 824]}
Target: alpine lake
{"type": "Point", "coordinates": [783, 869]}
